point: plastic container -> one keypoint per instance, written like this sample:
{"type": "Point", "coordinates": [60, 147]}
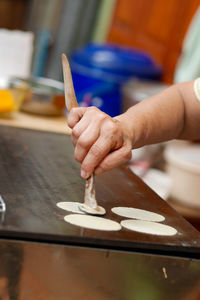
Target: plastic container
{"type": "Point", "coordinates": [183, 166]}
{"type": "Point", "coordinates": [136, 90]}
{"type": "Point", "coordinates": [98, 72]}
{"type": "Point", "coordinates": [11, 96]}
{"type": "Point", "coordinates": [44, 97]}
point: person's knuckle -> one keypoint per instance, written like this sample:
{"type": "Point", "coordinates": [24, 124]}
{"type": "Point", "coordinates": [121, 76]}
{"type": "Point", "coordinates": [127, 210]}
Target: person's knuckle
{"type": "Point", "coordinates": [82, 142]}
{"type": "Point", "coordinates": [75, 132]}
{"type": "Point", "coordinates": [111, 127]}
{"type": "Point", "coordinates": [70, 121]}
{"type": "Point", "coordinates": [93, 109]}
{"type": "Point", "coordinates": [95, 151]}
{"type": "Point", "coordinates": [73, 111]}
{"type": "Point", "coordinates": [77, 156]}
{"type": "Point", "coordinates": [88, 167]}
{"type": "Point", "coordinates": [96, 113]}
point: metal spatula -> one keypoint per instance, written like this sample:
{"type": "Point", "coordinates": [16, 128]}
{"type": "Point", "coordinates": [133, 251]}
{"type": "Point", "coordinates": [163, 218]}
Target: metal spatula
{"type": "Point", "coordinates": [90, 204]}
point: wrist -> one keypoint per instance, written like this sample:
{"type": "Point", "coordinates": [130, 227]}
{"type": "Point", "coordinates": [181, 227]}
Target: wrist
{"type": "Point", "coordinates": [127, 126]}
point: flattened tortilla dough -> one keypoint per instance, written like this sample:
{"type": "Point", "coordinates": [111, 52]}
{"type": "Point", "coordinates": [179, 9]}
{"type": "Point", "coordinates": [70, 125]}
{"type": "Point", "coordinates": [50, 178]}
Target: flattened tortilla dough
{"type": "Point", "coordinates": [92, 211]}
{"type": "Point", "coordinates": [70, 206]}
{"type": "Point", "coordinates": [139, 214]}
{"type": "Point", "coordinates": [92, 222]}
{"type": "Point", "coordinates": [149, 227]}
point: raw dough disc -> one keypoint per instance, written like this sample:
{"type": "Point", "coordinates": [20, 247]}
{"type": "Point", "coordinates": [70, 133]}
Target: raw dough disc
{"type": "Point", "coordinates": [70, 206]}
{"type": "Point", "coordinates": [92, 211]}
{"type": "Point", "coordinates": [92, 222]}
{"type": "Point", "coordinates": [149, 227]}
{"type": "Point", "coordinates": [136, 213]}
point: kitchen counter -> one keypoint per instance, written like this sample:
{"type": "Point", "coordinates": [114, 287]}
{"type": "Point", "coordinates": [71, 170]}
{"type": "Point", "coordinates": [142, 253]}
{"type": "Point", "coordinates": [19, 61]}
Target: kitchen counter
{"type": "Point", "coordinates": [43, 257]}
{"type": "Point", "coordinates": [38, 170]}
{"type": "Point", "coordinates": [30, 121]}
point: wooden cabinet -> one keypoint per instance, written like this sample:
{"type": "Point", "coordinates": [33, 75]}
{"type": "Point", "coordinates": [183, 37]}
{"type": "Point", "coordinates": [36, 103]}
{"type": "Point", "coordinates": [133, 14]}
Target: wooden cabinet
{"type": "Point", "coordinates": [12, 13]}
{"type": "Point", "coordinates": [155, 26]}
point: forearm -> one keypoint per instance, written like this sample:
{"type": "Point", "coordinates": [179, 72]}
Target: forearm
{"type": "Point", "coordinates": [174, 113]}
{"type": "Point", "coordinates": [102, 143]}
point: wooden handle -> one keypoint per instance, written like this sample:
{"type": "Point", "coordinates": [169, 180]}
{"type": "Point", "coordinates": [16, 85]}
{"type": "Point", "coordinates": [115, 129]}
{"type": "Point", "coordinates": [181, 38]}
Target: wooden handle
{"type": "Point", "coordinates": [70, 97]}
{"type": "Point", "coordinates": [70, 100]}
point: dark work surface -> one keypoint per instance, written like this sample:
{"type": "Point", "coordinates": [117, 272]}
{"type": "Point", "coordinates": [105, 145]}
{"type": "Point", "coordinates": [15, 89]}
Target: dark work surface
{"type": "Point", "coordinates": [32, 271]}
{"type": "Point", "coordinates": [37, 170]}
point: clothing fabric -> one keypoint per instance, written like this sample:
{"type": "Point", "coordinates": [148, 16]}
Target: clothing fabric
{"type": "Point", "coordinates": [188, 66]}
{"type": "Point", "coordinates": [196, 87]}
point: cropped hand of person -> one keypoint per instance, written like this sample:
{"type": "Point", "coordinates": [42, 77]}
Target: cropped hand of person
{"type": "Point", "coordinates": [101, 142]}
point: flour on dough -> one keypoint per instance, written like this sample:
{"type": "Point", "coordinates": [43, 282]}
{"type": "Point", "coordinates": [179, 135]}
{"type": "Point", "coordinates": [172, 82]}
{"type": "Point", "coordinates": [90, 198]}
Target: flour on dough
{"type": "Point", "coordinates": [139, 214]}
{"type": "Point", "coordinates": [92, 222]}
{"type": "Point", "coordinates": [70, 206]}
{"type": "Point", "coordinates": [149, 227]}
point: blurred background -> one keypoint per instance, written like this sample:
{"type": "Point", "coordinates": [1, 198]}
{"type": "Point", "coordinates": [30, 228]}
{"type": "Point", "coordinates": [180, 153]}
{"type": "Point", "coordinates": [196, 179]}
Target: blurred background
{"type": "Point", "coordinates": [120, 53]}
{"type": "Point", "coordinates": [66, 25]}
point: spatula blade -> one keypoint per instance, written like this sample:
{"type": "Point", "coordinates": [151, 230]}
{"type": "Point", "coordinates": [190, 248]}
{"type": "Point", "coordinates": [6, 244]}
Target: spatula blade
{"type": "Point", "coordinates": [70, 97]}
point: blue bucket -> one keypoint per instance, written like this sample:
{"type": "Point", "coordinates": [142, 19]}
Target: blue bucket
{"type": "Point", "coordinates": [98, 72]}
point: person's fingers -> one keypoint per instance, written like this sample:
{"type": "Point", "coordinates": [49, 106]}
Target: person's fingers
{"type": "Point", "coordinates": [74, 140]}
{"type": "Point", "coordinates": [92, 116]}
{"type": "Point", "coordinates": [85, 141]}
{"type": "Point", "coordinates": [86, 131]}
{"type": "Point", "coordinates": [94, 136]}
{"type": "Point", "coordinates": [114, 159]}
{"type": "Point", "coordinates": [98, 151]}
{"type": "Point", "coordinates": [75, 115]}
{"type": "Point", "coordinates": [80, 127]}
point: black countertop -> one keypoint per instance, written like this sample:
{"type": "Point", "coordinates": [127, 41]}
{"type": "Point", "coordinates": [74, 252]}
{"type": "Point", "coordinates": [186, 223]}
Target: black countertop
{"type": "Point", "coordinates": [37, 170]}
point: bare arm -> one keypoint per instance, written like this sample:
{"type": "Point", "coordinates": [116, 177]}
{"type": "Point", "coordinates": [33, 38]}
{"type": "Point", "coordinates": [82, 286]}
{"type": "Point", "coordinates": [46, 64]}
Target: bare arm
{"type": "Point", "coordinates": [102, 142]}
{"type": "Point", "coordinates": [172, 114]}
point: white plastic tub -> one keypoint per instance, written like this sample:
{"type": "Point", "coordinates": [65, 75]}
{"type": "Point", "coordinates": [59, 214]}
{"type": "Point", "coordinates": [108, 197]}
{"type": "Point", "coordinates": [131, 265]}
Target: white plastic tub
{"type": "Point", "coordinates": [183, 166]}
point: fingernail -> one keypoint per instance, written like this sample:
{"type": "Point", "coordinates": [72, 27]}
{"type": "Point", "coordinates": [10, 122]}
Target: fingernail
{"type": "Point", "coordinates": [83, 174]}
{"type": "Point", "coordinates": [98, 171]}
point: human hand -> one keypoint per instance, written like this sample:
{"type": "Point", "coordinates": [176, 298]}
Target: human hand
{"type": "Point", "coordinates": [101, 142]}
